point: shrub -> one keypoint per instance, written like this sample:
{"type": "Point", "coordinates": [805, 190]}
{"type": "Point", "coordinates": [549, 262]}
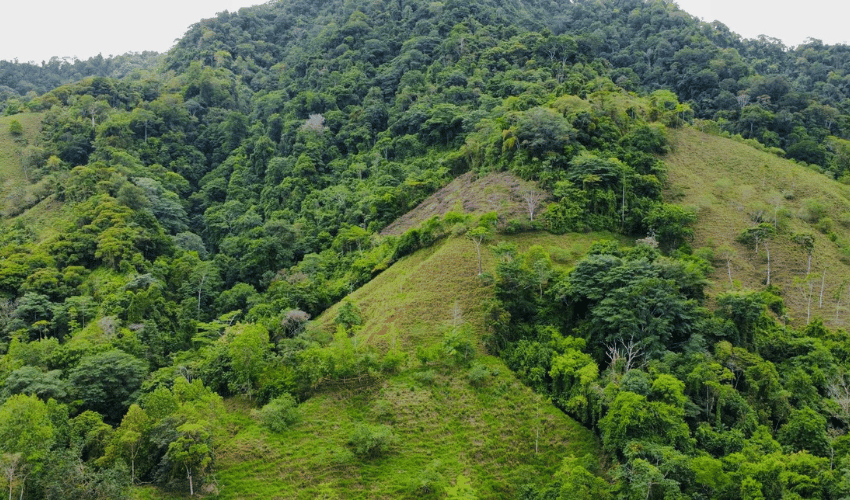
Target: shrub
{"type": "Point", "coordinates": [425, 377]}
{"type": "Point", "coordinates": [479, 374]}
{"type": "Point", "coordinates": [457, 345]}
{"type": "Point", "coordinates": [812, 210]}
{"type": "Point", "coordinates": [15, 128]}
{"type": "Point", "coordinates": [370, 441]}
{"type": "Point", "coordinates": [279, 414]}
{"type": "Point", "coordinates": [825, 225]}
{"type": "Point", "coordinates": [429, 483]}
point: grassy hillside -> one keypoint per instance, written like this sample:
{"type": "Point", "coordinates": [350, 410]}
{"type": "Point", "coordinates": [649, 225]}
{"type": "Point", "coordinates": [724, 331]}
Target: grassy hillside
{"type": "Point", "coordinates": [20, 199]}
{"type": "Point", "coordinates": [500, 192]}
{"type": "Point", "coordinates": [486, 433]}
{"type": "Point", "coordinates": [731, 185]}
{"type": "Point", "coordinates": [12, 175]}
{"type": "Point", "coordinates": [423, 294]}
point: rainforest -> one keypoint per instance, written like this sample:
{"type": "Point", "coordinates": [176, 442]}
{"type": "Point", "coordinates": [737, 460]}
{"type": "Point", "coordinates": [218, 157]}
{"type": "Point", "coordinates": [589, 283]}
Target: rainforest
{"type": "Point", "coordinates": [532, 249]}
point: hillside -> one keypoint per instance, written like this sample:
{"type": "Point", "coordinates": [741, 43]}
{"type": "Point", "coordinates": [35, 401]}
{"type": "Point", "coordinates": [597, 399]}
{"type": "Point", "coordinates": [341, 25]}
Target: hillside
{"type": "Point", "coordinates": [296, 259]}
{"type": "Point", "coordinates": [486, 431]}
{"type": "Point", "coordinates": [732, 187]}
{"type": "Point", "coordinates": [502, 192]}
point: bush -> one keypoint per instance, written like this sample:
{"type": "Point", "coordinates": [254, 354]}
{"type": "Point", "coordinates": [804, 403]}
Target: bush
{"type": "Point", "coordinates": [370, 441]}
{"type": "Point", "coordinates": [812, 210]}
{"type": "Point", "coordinates": [279, 414]}
{"type": "Point", "coordinates": [15, 128]}
{"type": "Point", "coordinates": [425, 377]}
{"type": "Point", "coordinates": [383, 411]}
{"type": "Point", "coordinates": [457, 345]}
{"type": "Point", "coordinates": [429, 483]}
{"type": "Point", "coordinates": [825, 225]}
{"type": "Point", "coordinates": [479, 374]}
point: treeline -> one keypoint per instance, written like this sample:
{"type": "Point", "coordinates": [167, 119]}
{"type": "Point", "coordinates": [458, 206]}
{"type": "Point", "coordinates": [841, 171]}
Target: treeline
{"type": "Point", "coordinates": [20, 82]}
{"type": "Point", "coordinates": [795, 99]}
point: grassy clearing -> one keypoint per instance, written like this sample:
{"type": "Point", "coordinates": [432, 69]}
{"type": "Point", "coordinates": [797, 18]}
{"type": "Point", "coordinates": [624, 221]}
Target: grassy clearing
{"type": "Point", "coordinates": [486, 433]}
{"type": "Point", "coordinates": [16, 190]}
{"type": "Point", "coordinates": [500, 192]}
{"type": "Point", "coordinates": [12, 173]}
{"type": "Point", "coordinates": [412, 302]}
{"type": "Point", "coordinates": [728, 183]}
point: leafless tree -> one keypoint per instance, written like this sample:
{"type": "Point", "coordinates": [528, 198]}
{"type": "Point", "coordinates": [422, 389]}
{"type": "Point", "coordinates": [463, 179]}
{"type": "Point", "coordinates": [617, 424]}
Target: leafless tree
{"type": "Point", "coordinates": [294, 322]}
{"type": "Point", "coordinates": [532, 199]}
{"type": "Point", "coordinates": [624, 354]}
{"type": "Point", "coordinates": [839, 392]}
{"type": "Point", "coordinates": [315, 122]}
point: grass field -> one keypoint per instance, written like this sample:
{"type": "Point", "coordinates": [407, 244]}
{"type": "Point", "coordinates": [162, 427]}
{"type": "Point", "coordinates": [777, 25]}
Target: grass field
{"type": "Point", "coordinates": [729, 184]}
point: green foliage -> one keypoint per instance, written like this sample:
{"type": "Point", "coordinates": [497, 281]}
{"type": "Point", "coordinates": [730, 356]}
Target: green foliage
{"type": "Point", "coordinates": [457, 345]}
{"type": "Point", "coordinates": [349, 316]}
{"type": "Point", "coordinates": [108, 382]}
{"type": "Point", "coordinates": [278, 413]}
{"type": "Point", "coordinates": [15, 128]}
{"type": "Point", "coordinates": [671, 224]}
{"type": "Point", "coordinates": [251, 179]}
{"type": "Point", "coordinates": [372, 441]}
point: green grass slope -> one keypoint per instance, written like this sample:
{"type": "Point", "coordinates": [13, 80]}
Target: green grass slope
{"type": "Point", "coordinates": [20, 199]}
{"type": "Point", "coordinates": [12, 175]}
{"type": "Point", "coordinates": [730, 184]}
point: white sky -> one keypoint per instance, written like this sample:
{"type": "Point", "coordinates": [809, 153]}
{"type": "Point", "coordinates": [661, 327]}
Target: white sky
{"type": "Point", "coordinates": [790, 21]}
{"type": "Point", "coordinates": [36, 30]}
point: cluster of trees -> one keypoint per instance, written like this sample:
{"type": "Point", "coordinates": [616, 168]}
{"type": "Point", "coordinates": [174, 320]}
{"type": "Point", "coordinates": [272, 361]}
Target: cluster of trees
{"type": "Point", "coordinates": [689, 403]}
{"type": "Point", "coordinates": [20, 82]}
{"type": "Point", "coordinates": [791, 98]}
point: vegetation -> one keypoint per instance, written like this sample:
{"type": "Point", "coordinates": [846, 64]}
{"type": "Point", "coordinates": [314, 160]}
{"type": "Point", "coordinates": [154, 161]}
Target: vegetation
{"type": "Point", "coordinates": [318, 247]}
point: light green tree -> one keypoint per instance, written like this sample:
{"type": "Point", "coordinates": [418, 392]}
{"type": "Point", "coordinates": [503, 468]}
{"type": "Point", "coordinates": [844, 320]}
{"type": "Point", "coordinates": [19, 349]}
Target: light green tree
{"type": "Point", "coordinates": [191, 451]}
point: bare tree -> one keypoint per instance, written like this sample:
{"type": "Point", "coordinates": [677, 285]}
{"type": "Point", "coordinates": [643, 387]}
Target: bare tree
{"type": "Point", "coordinates": [532, 199]}
{"type": "Point", "coordinates": [839, 392]}
{"type": "Point", "coordinates": [10, 463]}
{"type": "Point", "coordinates": [623, 354]}
{"type": "Point", "coordinates": [807, 291]}
{"type": "Point", "coordinates": [807, 244]}
{"type": "Point", "coordinates": [727, 253]}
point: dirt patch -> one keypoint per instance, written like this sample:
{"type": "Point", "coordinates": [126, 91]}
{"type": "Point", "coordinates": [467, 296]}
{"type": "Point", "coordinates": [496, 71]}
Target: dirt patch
{"type": "Point", "coordinates": [500, 192]}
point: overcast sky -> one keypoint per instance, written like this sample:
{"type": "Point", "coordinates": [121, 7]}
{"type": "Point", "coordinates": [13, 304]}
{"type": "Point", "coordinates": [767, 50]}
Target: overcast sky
{"type": "Point", "coordinates": [36, 30]}
{"type": "Point", "coordinates": [791, 22]}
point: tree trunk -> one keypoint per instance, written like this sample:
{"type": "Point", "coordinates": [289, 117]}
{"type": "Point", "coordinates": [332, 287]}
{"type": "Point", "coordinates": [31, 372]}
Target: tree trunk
{"type": "Point", "coordinates": [191, 487]}
{"type": "Point", "coordinates": [478, 249]}
{"type": "Point", "coordinates": [729, 270]}
{"type": "Point", "coordinates": [767, 249]}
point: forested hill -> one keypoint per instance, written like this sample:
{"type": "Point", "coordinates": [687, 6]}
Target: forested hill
{"type": "Point", "coordinates": [20, 82]}
{"type": "Point", "coordinates": [185, 248]}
